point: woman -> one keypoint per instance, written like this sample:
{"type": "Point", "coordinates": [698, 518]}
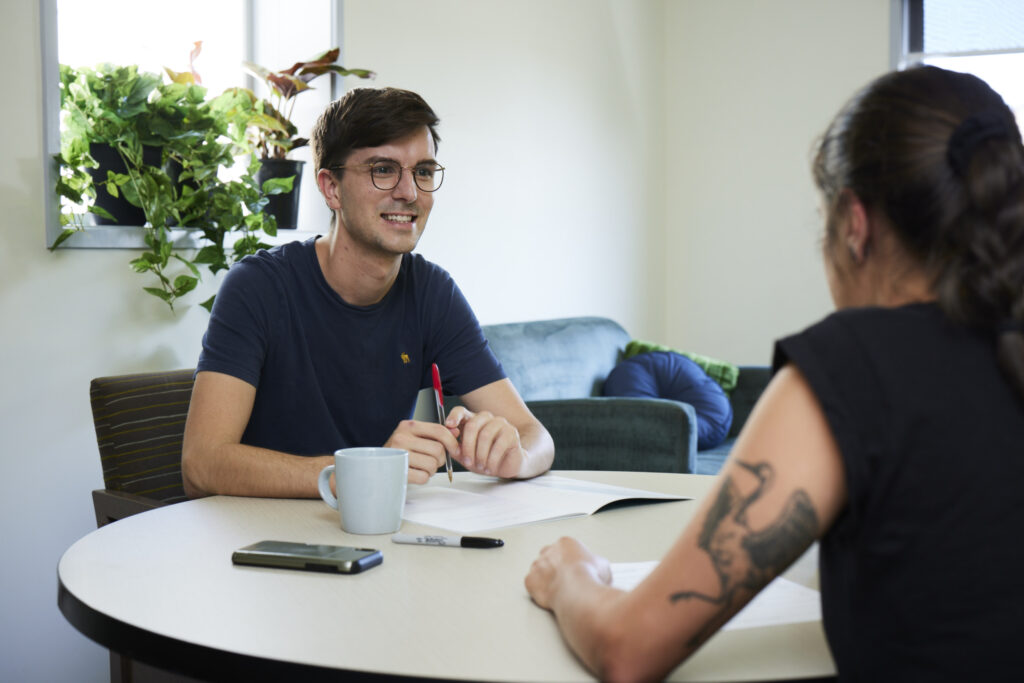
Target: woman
{"type": "Point", "coordinates": [893, 430]}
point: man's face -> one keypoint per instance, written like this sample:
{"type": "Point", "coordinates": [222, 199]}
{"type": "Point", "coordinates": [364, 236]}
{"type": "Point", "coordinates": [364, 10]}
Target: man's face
{"type": "Point", "coordinates": [386, 221]}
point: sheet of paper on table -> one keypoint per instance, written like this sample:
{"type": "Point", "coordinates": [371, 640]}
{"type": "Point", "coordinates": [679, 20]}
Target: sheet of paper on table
{"type": "Point", "coordinates": [781, 602]}
{"type": "Point", "coordinates": [477, 503]}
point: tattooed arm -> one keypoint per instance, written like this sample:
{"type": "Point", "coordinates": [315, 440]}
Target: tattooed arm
{"type": "Point", "coordinates": [780, 489]}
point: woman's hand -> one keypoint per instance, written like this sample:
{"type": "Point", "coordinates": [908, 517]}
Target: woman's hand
{"type": "Point", "coordinates": [567, 557]}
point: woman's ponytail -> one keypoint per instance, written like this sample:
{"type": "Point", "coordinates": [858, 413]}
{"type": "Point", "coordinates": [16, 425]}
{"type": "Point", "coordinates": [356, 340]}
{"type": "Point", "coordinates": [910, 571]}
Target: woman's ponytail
{"type": "Point", "coordinates": [940, 154]}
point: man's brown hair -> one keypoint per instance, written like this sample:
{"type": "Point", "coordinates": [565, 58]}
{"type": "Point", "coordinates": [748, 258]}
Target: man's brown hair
{"type": "Point", "coordinates": [368, 117]}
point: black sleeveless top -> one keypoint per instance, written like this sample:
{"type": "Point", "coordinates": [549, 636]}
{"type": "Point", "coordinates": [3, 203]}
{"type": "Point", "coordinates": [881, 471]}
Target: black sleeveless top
{"type": "Point", "coordinates": [922, 574]}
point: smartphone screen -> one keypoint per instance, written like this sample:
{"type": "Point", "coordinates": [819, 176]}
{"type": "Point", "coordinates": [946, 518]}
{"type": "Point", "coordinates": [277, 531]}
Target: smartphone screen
{"type": "Point", "coordinates": [334, 559]}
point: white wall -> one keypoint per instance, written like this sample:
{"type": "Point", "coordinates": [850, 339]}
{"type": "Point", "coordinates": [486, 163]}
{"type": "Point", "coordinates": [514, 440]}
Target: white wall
{"type": "Point", "coordinates": [547, 117]}
{"type": "Point", "coordinates": [750, 85]}
{"type": "Point", "coordinates": [557, 120]}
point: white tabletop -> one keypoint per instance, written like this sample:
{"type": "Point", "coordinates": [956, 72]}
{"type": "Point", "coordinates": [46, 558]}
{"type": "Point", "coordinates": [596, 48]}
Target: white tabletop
{"type": "Point", "coordinates": [160, 587]}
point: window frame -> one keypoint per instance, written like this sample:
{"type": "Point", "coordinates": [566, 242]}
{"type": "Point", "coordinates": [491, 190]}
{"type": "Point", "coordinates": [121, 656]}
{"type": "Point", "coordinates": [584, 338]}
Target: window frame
{"type": "Point", "coordinates": [124, 236]}
{"type": "Point", "coordinates": [908, 37]}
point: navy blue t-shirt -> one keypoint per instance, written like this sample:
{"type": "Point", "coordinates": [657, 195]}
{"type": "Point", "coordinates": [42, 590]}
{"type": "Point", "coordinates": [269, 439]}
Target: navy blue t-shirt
{"type": "Point", "coordinates": [330, 375]}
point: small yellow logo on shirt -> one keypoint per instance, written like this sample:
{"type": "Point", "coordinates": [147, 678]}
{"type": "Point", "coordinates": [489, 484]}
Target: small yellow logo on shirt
{"type": "Point", "coordinates": [405, 358]}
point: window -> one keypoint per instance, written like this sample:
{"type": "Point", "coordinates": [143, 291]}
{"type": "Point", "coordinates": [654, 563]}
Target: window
{"type": "Point", "coordinates": [155, 35]}
{"type": "Point", "coordinates": [981, 37]}
{"type": "Point", "coordinates": [131, 32]}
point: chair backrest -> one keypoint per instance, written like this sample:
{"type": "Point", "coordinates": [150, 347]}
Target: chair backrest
{"type": "Point", "coordinates": [626, 434]}
{"type": "Point", "coordinates": [140, 425]}
{"type": "Point", "coordinates": [552, 359]}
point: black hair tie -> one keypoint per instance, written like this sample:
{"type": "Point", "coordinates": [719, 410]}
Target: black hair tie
{"type": "Point", "coordinates": [971, 132]}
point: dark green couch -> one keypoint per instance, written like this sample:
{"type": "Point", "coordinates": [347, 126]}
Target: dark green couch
{"type": "Point", "coordinates": [559, 366]}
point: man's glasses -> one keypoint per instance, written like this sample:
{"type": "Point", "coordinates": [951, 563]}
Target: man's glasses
{"type": "Point", "coordinates": [385, 175]}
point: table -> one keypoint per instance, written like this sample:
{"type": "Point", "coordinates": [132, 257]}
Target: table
{"type": "Point", "coordinates": [160, 587]}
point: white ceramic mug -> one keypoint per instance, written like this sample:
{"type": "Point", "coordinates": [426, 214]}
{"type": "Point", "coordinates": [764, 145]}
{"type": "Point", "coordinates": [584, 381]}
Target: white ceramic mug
{"type": "Point", "coordinates": [371, 486]}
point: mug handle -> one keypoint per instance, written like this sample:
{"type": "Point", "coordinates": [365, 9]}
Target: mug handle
{"type": "Point", "coordinates": [324, 484]}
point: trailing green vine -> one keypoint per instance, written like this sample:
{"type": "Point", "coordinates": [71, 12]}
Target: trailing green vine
{"type": "Point", "coordinates": [196, 185]}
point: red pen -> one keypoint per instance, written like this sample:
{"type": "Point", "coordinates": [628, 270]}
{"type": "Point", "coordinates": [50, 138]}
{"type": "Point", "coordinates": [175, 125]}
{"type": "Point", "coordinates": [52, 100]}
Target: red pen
{"type": "Point", "coordinates": [440, 415]}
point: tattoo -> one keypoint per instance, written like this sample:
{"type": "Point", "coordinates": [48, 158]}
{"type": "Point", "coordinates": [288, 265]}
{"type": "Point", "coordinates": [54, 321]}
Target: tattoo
{"type": "Point", "coordinates": [746, 559]}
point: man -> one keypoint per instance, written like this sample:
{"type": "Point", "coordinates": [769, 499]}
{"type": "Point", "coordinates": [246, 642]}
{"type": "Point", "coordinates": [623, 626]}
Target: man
{"type": "Point", "coordinates": [324, 344]}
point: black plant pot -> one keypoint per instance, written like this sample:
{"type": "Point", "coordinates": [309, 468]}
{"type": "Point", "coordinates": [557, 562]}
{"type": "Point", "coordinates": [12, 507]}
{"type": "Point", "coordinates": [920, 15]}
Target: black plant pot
{"type": "Point", "coordinates": [108, 159]}
{"type": "Point", "coordinates": [285, 206]}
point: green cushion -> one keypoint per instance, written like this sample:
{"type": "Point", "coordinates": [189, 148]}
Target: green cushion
{"type": "Point", "coordinates": [720, 371]}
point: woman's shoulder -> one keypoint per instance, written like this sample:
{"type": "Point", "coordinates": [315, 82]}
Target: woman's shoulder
{"type": "Point", "coordinates": [870, 326]}
{"type": "Point", "coordinates": [851, 337]}
{"type": "Point", "coordinates": [925, 313]}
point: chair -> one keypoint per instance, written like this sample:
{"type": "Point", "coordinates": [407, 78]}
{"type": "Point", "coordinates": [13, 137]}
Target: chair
{"type": "Point", "coordinates": [140, 424]}
{"type": "Point", "coordinates": [559, 367]}
{"type": "Point", "coordinates": [623, 434]}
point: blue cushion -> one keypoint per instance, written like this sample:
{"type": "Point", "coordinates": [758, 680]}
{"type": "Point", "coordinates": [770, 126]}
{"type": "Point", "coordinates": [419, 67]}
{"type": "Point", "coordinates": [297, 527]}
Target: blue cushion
{"type": "Point", "coordinates": [663, 374]}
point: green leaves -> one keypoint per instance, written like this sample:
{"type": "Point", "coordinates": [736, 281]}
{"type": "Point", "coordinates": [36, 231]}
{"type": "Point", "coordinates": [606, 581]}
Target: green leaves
{"type": "Point", "coordinates": [278, 185]}
{"type": "Point", "coordinates": [64, 234]}
{"type": "Point", "coordinates": [197, 137]}
{"type": "Point", "coordinates": [106, 102]}
{"type": "Point", "coordinates": [272, 130]}
{"type": "Point", "coordinates": [184, 284]}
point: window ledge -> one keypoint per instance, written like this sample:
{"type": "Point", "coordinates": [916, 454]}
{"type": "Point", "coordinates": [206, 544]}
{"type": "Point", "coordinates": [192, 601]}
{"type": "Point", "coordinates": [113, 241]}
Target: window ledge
{"type": "Point", "coordinates": [129, 237]}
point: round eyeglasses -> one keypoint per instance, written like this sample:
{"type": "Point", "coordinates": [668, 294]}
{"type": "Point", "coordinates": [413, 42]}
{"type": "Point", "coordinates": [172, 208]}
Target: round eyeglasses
{"type": "Point", "coordinates": [385, 175]}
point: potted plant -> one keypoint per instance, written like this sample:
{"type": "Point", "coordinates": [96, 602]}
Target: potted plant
{"type": "Point", "coordinates": [274, 133]}
{"type": "Point", "coordinates": [209, 137]}
{"type": "Point", "coordinates": [107, 118]}
{"type": "Point", "coordinates": [195, 138]}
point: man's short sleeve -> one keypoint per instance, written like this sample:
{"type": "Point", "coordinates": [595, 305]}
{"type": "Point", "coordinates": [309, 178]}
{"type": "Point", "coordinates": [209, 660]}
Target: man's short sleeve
{"type": "Point", "coordinates": [455, 339]}
{"type": "Point", "coordinates": [235, 342]}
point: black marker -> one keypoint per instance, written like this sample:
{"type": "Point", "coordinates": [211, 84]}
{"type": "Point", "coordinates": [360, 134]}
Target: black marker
{"type": "Point", "coordinates": [449, 541]}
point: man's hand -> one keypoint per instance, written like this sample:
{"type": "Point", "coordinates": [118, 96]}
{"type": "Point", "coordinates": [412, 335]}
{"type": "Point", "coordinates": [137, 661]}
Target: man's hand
{"type": "Point", "coordinates": [489, 444]}
{"type": "Point", "coordinates": [515, 445]}
{"type": "Point", "coordinates": [426, 443]}
{"type": "Point", "coordinates": [566, 557]}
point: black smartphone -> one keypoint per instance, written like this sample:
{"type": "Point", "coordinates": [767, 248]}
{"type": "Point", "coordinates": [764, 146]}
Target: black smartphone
{"type": "Point", "coordinates": [333, 559]}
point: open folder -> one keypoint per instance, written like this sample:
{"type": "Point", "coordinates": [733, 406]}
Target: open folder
{"type": "Point", "coordinates": [780, 602]}
{"type": "Point", "coordinates": [477, 503]}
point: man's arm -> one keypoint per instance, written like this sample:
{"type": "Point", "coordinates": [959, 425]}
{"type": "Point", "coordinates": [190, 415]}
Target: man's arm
{"type": "Point", "coordinates": [213, 459]}
{"type": "Point", "coordinates": [499, 435]}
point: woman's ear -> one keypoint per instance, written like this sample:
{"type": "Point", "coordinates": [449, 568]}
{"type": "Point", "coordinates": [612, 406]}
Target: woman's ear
{"type": "Point", "coordinates": [854, 226]}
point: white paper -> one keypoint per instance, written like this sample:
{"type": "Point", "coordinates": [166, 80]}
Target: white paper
{"type": "Point", "coordinates": [780, 602]}
{"type": "Point", "coordinates": [476, 503]}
